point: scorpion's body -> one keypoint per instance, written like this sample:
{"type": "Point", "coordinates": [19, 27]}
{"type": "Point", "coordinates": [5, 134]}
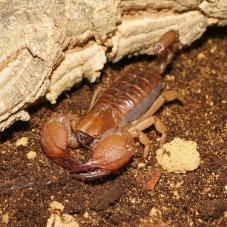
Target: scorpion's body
{"type": "Point", "coordinates": [119, 114]}
{"type": "Point", "coordinates": [123, 102]}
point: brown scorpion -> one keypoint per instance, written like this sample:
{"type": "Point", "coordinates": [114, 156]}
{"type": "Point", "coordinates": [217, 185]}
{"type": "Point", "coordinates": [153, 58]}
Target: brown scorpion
{"type": "Point", "coordinates": [118, 115]}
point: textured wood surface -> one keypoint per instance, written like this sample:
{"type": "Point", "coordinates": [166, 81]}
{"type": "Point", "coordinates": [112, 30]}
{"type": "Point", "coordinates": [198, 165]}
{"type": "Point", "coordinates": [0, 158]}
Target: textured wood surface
{"type": "Point", "coordinates": [48, 46]}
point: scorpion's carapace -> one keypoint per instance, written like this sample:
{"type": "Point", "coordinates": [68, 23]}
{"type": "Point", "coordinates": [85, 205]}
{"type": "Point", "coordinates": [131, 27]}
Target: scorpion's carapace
{"type": "Point", "coordinates": [121, 113]}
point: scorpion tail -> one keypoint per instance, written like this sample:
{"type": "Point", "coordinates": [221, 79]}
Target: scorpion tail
{"type": "Point", "coordinates": [164, 49]}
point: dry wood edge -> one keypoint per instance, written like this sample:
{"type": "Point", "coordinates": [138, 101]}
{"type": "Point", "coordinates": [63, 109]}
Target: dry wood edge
{"type": "Point", "coordinates": [46, 47]}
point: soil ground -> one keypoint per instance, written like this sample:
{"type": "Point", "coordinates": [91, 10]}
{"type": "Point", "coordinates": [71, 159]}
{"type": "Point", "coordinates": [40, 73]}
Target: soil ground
{"type": "Point", "coordinates": [198, 198]}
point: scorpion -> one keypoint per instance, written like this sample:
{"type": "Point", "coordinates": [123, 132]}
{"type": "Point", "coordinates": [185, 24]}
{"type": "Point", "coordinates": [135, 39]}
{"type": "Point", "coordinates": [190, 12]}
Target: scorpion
{"type": "Point", "coordinates": [117, 116]}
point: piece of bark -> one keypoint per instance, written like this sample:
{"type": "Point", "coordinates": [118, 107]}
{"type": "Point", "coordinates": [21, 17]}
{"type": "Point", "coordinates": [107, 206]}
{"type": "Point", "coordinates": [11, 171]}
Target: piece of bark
{"type": "Point", "coordinates": [48, 46]}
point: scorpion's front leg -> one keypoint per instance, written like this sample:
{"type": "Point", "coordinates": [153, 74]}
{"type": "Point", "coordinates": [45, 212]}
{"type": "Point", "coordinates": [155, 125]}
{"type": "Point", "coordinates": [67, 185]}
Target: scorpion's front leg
{"type": "Point", "coordinates": [56, 136]}
{"type": "Point", "coordinates": [166, 96]}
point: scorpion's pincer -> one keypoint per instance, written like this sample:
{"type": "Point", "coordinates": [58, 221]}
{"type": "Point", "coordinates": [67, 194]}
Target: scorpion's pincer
{"type": "Point", "coordinates": [56, 136]}
{"type": "Point", "coordinates": [111, 153]}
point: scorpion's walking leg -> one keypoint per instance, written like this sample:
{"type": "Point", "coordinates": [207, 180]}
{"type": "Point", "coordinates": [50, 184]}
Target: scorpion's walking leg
{"type": "Point", "coordinates": [146, 120]}
{"type": "Point", "coordinates": [143, 138]}
{"type": "Point", "coordinates": [137, 126]}
{"type": "Point", "coordinates": [166, 96]}
{"type": "Point", "coordinates": [96, 95]}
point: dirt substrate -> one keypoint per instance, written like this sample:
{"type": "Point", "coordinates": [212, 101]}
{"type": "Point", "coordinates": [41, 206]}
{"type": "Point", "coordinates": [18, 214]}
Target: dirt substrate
{"type": "Point", "coordinates": [198, 198]}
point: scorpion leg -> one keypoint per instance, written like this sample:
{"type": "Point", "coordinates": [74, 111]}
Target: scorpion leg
{"type": "Point", "coordinates": [95, 97]}
{"type": "Point", "coordinates": [166, 96]}
{"type": "Point", "coordinates": [143, 138]}
{"type": "Point", "coordinates": [146, 120]}
{"type": "Point", "coordinates": [143, 123]}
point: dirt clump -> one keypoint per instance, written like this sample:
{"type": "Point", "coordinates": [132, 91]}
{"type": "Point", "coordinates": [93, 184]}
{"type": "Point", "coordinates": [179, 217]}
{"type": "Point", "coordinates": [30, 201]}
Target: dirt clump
{"type": "Point", "coordinates": [178, 156]}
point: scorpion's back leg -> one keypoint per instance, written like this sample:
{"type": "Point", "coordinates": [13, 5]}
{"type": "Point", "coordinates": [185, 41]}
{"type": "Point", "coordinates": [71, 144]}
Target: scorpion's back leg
{"type": "Point", "coordinates": [166, 96]}
{"type": "Point", "coordinates": [143, 138]}
{"type": "Point", "coordinates": [96, 95]}
{"type": "Point", "coordinates": [137, 126]}
{"type": "Point", "coordinates": [146, 120]}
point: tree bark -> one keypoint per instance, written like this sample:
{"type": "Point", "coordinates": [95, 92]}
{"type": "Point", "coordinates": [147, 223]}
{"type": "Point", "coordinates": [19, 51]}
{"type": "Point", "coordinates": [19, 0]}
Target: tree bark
{"type": "Point", "coordinates": [48, 46]}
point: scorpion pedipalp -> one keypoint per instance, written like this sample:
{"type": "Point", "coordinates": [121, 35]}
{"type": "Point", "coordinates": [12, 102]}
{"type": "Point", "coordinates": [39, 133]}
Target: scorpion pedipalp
{"type": "Point", "coordinates": [56, 136]}
{"type": "Point", "coordinates": [111, 153]}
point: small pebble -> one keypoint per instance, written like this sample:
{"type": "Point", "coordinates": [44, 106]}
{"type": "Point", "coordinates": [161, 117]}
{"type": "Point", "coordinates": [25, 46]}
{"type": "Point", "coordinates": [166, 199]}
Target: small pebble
{"type": "Point", "coordinates": [213, 49]}
{"type": "Point", "coordinates": [201, 56]}
{"type": "Point", "coordinates": [170, 77]}
{"type": "Point", "coordinates": [23, 141]}
{"type": "Point", "coordinates": [133, 201]}
{"type": "Point", "coordinates": [55, 205]}
{"type": "Point", "coordinates": [31, 155]}
{"type": "Point", "coordinates": [225, 188]}
{"type": "Point", "coordinates": [225, 214]}
{"type": "Point", "coordinates": [5, 218]}
{"type": "Point", "coordinates": [154, 212]}
{"type": "Point", "coordinates": [86, 215]}
{"type": "Point", "coordinates": [65, 220]}
{"type": "Point", "coordinates": [141, 165]}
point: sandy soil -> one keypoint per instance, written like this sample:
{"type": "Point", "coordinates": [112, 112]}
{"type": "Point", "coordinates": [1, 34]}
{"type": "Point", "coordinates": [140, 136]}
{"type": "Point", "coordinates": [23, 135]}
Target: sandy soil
{"type": "Point", "coordinates": [29, 182]}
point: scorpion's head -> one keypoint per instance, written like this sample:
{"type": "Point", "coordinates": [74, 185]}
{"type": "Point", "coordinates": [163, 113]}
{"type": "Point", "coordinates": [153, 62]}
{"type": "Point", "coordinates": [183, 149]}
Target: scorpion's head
{"type": "Point", "coordinates": [111, 152]}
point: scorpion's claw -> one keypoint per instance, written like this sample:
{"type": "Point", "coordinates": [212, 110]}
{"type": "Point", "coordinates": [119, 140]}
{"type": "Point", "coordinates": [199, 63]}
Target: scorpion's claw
{"type": "Point", "coordinates": [66, 161]}
{"type": "Point", "coordinates": [92, 174]}
{"type": "Point", "coordinates": [55, 138]}
{"type": "Point", "coordinates": [111, 153]}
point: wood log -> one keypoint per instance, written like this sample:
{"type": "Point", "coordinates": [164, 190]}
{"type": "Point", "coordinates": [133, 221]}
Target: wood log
{"type": "Point", "coordinates": [48, 46]}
